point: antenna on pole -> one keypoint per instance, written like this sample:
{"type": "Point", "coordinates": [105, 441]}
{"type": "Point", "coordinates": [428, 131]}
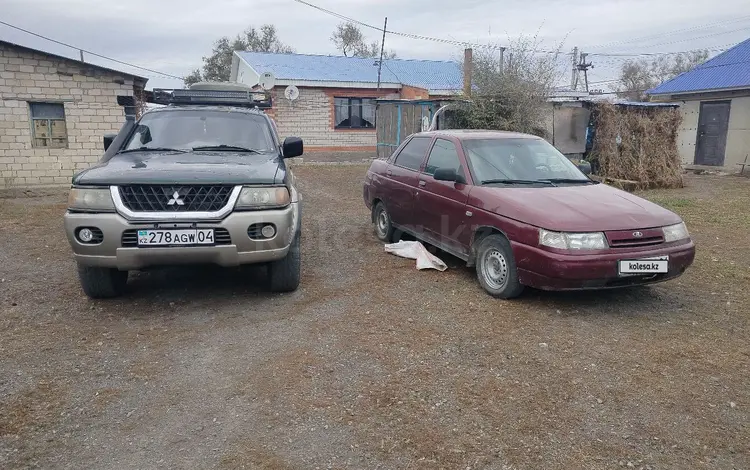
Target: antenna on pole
{"type": "Point", "coordinates": [382, 51]}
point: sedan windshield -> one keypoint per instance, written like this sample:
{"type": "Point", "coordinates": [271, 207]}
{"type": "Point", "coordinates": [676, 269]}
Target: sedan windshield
{"type": "Point", "coordinates": [202, 130]}
{"type": "Point", "coordinates": [529, 160]}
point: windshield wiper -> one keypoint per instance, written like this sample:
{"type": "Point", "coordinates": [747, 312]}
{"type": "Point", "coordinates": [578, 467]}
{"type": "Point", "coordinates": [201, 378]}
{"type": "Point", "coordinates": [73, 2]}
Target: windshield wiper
{"type": "Point", "coordinates": [518, 182]}
{"type": "Point", "coordinates": [152, 149]}
{"type": "Point", "coordinates": [570, 180]}
{"type": "Point", "coordinates": [228, 148]}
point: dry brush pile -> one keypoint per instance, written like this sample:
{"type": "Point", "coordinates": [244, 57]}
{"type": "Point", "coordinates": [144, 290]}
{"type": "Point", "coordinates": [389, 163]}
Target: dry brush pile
{"type": "Point", "coordinates": [647, 153]}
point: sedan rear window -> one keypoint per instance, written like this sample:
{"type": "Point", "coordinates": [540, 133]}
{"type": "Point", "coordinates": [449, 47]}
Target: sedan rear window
{"type": "Point", "coordinates": [412, 154]}
{"type": "Point", "coordinates": [186, 129]}
{"type": "Point", "coordinates": [518, 159]}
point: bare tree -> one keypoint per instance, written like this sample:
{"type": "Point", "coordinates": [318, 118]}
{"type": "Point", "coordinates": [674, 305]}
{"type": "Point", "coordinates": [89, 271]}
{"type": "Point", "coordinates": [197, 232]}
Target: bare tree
{"type": "Point", "coordinates": [639, 75]}
{"type": "Point", "coordinates": [352, 43]}
{"type": "Point", "coordinates": [510, 93]}
{"type": "Point", "coordinates": [217, 66]}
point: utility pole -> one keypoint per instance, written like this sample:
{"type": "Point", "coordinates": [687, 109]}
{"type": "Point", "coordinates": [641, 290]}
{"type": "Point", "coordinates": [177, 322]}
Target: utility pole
{"type": "Point", "coordinates": [502, 59]}
{"type": "Point", "coordinates": [382, 51]}
{"type": "Point", "coordinates": [574, 75]}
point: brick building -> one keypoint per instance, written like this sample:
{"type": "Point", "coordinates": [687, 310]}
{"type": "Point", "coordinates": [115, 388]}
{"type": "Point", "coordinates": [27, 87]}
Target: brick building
{"type": "Point", "coordinates": [53, 114]}
{"type": "Point", "coordinates": [335, 111]}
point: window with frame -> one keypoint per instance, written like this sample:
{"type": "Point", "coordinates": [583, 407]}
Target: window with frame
{"type": "Point", "coordinates": [48, 129]}
{"type": "Point", "coordinates": [412, 154]}
{"type": "Point", "coordinates": [354, 113]}
{"type": "Point", "coordinates": [443, 155]}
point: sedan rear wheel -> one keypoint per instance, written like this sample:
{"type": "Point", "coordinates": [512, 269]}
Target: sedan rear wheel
{"type": "Point", "coordinates": [383, 226]}
{"type": "Point", "coordinates": [496, 268]}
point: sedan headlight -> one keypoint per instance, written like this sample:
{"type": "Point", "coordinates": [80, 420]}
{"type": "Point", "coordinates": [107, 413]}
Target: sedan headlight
{"type": "Point", "coordinates": [572, 241]}
{"type": "Point", "coordinates": [91, 199]}
{"type": "Point", "coordinates": [675, 232]}
{"type": "Point", "coordinates": [263, 198]}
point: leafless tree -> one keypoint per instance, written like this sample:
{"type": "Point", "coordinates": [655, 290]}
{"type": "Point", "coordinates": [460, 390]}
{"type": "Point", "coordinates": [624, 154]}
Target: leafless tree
{"type": "Point", "coordinates": [217, 66]}
{"type": "Point", "coordinates": [510, 93]}
{"type": "Point", "coordinates": [352, 43]}
{"type": "Point", "coordinates": [639, 75]}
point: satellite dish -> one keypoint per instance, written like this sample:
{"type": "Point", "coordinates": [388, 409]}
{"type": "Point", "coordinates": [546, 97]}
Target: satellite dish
{"type": "Point", "coordinates": [267, 81]}
{"type": "Point", "coordinates": [291, 92]}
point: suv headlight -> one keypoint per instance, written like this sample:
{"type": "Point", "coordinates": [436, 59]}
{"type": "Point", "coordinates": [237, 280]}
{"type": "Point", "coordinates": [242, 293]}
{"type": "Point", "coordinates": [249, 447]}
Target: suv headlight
{"type": "Point", "coordinates": [675, 232]}
{"type": "Point", "coordinates": [91, 199]}
{"type": "Point", "coordinates": [262, 198]}
{"type": "Point", "coordinates": [573, 241]}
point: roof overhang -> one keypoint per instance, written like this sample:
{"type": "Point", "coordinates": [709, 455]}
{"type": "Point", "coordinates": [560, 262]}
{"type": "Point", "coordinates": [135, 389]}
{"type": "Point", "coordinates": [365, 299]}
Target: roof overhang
{"type": "Point", "coordinates": [693, 92]}
{"type": "Point", "coordinates": [334, 84]}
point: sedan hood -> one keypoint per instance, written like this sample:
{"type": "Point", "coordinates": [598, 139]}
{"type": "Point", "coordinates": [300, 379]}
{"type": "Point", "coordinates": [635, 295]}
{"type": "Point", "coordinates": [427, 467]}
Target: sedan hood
{"type": "Point", "coordinates": [185, 168]}
{"type": "Point", "coordinates": [584, 208]}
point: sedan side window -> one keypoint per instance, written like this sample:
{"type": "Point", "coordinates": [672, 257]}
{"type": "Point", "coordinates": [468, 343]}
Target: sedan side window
{"type": "Point", "coordinates": [443, 155]}
{"type": "Point", "coordinates": [412, 155]}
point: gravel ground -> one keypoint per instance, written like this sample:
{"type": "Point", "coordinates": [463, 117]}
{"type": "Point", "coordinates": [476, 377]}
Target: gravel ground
{"type": "Point", "coordinates": [371, 364]}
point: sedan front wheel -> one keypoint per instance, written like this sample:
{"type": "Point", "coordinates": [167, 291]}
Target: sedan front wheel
{"type": "Point", "coordinates": [496, 268]}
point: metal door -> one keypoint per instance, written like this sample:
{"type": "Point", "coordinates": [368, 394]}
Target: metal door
{"type": "Point", "coordinates": [711, 143]}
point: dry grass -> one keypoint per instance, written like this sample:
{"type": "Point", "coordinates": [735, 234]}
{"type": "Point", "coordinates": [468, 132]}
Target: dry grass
{"type": "Point", "coordinates": [648, 150]}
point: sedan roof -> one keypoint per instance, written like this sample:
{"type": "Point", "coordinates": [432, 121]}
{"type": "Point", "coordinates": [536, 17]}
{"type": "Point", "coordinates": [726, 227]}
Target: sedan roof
{"type": "Point", "coordinates": [478, 134]}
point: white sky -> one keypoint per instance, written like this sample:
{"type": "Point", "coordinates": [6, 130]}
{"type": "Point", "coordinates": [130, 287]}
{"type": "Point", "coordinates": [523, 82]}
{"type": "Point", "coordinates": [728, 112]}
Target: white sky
{"type": "Point", "coordinates": [172, 36]}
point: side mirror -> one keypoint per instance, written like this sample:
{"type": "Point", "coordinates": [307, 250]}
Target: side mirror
{"type": "Point", "coordinates": [108, 138]}
{"type": "Point", "coordinates": [447, 174]}
{"type": "Point", "coordinates": [292, 147]}
{"type": "Point", "coordinates": [585, 167]}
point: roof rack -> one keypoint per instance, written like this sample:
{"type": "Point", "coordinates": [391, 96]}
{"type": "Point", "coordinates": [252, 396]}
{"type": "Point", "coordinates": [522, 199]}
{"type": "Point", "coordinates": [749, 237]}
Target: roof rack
{"type": "Point", "coordinates": [243, 98]}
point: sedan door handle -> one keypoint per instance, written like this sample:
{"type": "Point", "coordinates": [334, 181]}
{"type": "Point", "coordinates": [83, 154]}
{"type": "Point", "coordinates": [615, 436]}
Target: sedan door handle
{"type": "Point", "coordinates": [388, 172]}
{"type": "Point", "coordinates": [422, 183]}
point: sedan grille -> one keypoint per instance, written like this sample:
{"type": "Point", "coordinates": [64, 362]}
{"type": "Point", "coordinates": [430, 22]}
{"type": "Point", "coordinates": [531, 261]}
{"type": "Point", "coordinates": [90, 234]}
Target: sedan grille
{"type": "Point", "coordinates": [635, 238]}
{"type": "Point", "coordinates": [152, 198]}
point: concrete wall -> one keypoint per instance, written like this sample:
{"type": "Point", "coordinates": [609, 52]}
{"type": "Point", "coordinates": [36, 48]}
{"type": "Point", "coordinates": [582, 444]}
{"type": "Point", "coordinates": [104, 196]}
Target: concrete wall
{"type": "Point", "coordinates": [738, 134]}
{"type": "Point", "coordinates": [311, 117]}
{"type": "Point", "coordinates": [89, 98]}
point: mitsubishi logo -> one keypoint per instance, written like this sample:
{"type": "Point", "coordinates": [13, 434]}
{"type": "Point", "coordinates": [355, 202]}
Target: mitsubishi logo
{"type": "Point", "coordinates": [176, 199]}
{"type": "Point", "coordinates": [637, 234]}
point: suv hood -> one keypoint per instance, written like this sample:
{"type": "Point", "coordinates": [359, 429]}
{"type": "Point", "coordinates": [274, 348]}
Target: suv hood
{"type": "Point", "coordinates": [185, 168]}
{"type": "Point", "coordinates": [587, 208]}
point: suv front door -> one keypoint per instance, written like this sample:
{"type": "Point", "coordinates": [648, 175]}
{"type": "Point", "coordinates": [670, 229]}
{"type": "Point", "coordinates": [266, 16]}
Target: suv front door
{"type": "Point", "coordinates": [440, 206]}
{"type": "Point", "coordinates": [402, 182]}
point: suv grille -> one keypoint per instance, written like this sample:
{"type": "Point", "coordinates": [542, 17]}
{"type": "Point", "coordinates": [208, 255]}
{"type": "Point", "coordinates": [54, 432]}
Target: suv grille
{"type": "Point", "coordinates": [150, 198]}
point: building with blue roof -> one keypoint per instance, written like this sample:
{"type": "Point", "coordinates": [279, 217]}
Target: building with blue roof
{"type": "Point", "coordinates": [329, 101]}
{"type": "Point", "coordinates": [714, 99]}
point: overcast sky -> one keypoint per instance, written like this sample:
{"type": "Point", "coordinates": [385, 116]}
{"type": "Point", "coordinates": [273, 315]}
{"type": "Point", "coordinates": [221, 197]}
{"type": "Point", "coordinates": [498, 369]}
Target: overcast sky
{"type": "Point", "coordinates": [171, 36]}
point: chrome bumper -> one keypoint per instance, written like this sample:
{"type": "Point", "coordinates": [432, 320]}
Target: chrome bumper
{"type": "Point", "coordinates": [242, 250]}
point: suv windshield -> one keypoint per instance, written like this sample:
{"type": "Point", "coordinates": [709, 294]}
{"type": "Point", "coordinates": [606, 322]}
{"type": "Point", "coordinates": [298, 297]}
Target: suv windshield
{"type": "Point", "coordinates": [519, 159]}
{"type": "Point", "coordinates": [187, 129]}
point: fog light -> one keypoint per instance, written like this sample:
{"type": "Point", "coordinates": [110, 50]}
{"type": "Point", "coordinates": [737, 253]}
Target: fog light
{"type": "Point", "coordinates": [85, 235]}
{"type": "Point", "coordinates": [268, 231]}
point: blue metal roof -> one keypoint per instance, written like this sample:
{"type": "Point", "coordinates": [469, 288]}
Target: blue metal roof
{"type": "Point", "coordinates": [730, 69]}
{"type": "Point", "coordinates": [428, 74]}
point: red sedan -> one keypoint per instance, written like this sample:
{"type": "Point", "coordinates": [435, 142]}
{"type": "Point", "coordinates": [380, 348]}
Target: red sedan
{"type": "Point", "coordinates": [523, 214]}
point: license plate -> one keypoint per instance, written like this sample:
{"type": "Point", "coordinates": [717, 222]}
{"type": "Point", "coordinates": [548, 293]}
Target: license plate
{"type": "Point", "coordinates": [201, 236]}
{"type": "Point", "coordinates": [658, 265]}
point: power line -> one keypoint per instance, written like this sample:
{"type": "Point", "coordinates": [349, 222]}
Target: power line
{"type": "Point", "coordinates": [410, 35]}
{"type": "Point", "coordinates": [90, 53]}
{"type": "Point", "coordinates": [670, 33]}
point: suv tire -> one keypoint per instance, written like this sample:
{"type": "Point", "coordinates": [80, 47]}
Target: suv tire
{"type": "Point", "coordinates": [102, 283]}
{"type": "Point", "coordinates": [496, 267]}
{"type": "Point", "coordinates": [284, 274]}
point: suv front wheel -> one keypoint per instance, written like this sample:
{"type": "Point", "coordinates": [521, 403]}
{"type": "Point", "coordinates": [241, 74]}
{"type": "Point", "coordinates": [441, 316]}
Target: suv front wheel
{"type": "Point", "coordinates": [102, 283]}
{"type": "Point", "coordinates": [284, 274]}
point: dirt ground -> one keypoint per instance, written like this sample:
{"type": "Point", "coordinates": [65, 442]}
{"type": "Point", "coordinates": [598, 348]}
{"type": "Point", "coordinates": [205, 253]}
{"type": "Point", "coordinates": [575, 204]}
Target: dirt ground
{"type": "Point", "coordinates": [371, 364]}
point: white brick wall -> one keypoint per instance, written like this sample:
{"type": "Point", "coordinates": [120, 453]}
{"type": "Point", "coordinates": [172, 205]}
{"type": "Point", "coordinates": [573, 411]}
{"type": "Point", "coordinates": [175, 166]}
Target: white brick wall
{"type": "Point", "coordinates": [309, 118]}
{"type": "Point", "coordinates": [90, 99]}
